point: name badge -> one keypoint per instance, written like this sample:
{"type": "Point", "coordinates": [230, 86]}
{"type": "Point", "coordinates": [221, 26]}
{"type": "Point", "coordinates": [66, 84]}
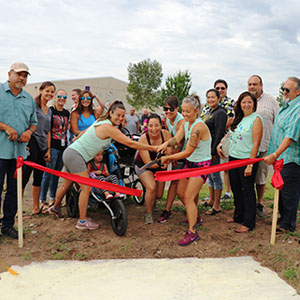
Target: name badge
{"type": "Point", "coordinates": [63, 142]}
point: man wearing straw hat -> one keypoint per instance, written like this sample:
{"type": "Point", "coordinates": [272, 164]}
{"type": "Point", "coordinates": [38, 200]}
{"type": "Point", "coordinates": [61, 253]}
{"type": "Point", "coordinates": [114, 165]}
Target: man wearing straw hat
{"type": "Point", "coordinates": [17, 122]}
{"type": "Point", "coordinates": [285, 144]}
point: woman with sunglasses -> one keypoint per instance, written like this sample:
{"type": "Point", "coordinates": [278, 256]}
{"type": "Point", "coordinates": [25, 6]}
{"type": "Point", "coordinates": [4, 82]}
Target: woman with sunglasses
{"type": "Point", "coordinates": [173, 121]}
{"type": "Point", "coordinates": [197, 152]}
{"type": "Point", "coordinates": [85, 115]}
{"type": "Point", "coordinates": [96, 138]}
{"type": "Point", "coordinates": [39, 144]}
{"type": "Point", "coordinates": [154, 189]}
{"type": "Point", "coordinates": [59, 128]}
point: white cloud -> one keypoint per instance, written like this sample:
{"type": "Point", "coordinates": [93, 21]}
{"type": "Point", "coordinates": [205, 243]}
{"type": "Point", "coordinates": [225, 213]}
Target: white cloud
{"type": "Point", "coordinates": [231, 39]}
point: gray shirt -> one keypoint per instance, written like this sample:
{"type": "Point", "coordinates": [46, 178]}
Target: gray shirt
{"type": "Point", "coordinates": [131, 122]}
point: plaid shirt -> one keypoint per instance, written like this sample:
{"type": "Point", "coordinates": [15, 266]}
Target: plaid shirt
{"type": "Point", "coordinates": [226, 103]}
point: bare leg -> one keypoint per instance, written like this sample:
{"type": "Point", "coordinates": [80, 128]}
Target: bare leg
{"type": "Point", "coordinates": [217, 197]}
{"type": "Point", "coordinates": [36, 199]}
{"type": "Point", "coordinates": [61, 191]}
{"type": "Point", "coordinates": [147, 179]}
{"type": "Point", "coordinates": [211, 196]}
{"type": "Point", "coordinates": [260, 190]}
{"type": "Point", "coordinates": [171, 194]}
{"type": "Point", "coordinates": [181, 187]}
{"type": "Point", "coordinates": [227, 182]}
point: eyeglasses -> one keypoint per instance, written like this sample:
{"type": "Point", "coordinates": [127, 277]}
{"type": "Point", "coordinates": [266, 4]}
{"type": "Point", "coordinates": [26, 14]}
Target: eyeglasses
{"type": "Point", "coordinates": [285, 90]}
{"type": "Point", "coordinates": [86, 98]}
{"type": "Point", "coordinates": [221, 88]}
{"type": "Point", "coordinates": [169, 108]}
{"type": "Point", "coordinates": [61, 97]}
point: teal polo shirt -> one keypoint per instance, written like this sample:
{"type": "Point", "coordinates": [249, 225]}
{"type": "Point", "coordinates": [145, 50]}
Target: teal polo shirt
{"type": "Point", "coordinates": [287, 124]}
{"type": "Point", "coordinates": [19, 112]}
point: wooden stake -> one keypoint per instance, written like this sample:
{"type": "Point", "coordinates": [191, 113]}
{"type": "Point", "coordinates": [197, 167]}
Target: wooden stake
{"type": "Point", "coordinates": [275, 214]}
{"type": "Point", "coordinates": [20, 207]}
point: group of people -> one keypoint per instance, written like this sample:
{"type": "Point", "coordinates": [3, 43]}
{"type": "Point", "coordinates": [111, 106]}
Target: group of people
{"type": "Point", "coordinates": [253, 126]}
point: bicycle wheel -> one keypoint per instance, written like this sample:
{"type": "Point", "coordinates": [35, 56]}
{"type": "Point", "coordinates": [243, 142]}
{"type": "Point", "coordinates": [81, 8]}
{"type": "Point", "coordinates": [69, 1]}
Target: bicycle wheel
{"type": "Point", "coordinates": [119, 220]}
{"type": "Point", "coordinates": [72, 203]}
{"type": "Point", "coordinates": [138, 185]}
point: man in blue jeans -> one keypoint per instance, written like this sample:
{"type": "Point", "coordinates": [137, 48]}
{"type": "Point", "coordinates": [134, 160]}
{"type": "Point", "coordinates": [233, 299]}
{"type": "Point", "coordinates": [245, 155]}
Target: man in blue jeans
{"type": "Point", "coordinates": [285, 144]}
{"type": "Point", "coordinates": [17, 122]}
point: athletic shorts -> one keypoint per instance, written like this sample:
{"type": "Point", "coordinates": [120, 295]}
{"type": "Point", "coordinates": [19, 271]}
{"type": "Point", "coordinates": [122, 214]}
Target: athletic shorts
{"type": "Point", "coordinates": [201, 164]}
{"type": "Point", "coordinates": [73, 161]}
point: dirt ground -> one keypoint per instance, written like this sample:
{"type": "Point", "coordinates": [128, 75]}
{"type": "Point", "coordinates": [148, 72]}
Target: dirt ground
{"type": "Point", "coordinates": [48, 238]}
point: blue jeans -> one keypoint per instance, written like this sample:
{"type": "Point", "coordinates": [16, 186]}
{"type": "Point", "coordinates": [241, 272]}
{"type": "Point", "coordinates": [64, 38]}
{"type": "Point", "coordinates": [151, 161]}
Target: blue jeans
{"type": "Point", "coordinates": [7, 168]}
{"type": "Point", "coordinates": [289, 196]}
{"type": "Point", "coordinates": [49, 180]}
{"type": "Point", "coordinates": [214, 179]}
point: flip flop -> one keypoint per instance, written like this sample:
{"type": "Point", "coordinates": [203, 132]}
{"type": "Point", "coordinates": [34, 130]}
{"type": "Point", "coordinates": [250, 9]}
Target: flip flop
{"type": "Point", "coordinates": [212, 212]}
{"type": "Point", "coordinates": [280, 230]}
{"type": "Point", "coordinates": [206, 204]}
{"type": "Point", "coordinates": [242, 229]}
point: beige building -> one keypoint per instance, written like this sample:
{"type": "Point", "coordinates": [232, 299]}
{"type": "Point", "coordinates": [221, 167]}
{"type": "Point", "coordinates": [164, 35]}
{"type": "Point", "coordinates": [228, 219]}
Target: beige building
{"type": "Point", "coordinates": [107, 88]}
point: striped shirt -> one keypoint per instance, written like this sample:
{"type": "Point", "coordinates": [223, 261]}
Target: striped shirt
{"type": "Point", "coordinates": [287, 125]}
{"type": "Point", "coordinates": [267, 107]}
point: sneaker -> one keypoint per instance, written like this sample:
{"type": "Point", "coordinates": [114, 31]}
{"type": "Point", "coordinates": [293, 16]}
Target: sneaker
{"type": "Point", "coordinates": [189, 238]}
{"type": "Point", "coordinates": [109, 196]}
{"type": "Point", "coordinates": [88, 224]}
{"type": "Point", "coordinates": [198, 222]}
{"type": "Point", "coordinates": [164, 216]}
{"type": "Point", "coordinates": [225, 197]}
{"type": "Point", "coordinates": [260, 210]}
{"type": "Point", "coordinates": [148, 219]}
{"type": "Point", "coordinates": [9, 232]}
{"type": "Point", "coordinates": [55, 211]}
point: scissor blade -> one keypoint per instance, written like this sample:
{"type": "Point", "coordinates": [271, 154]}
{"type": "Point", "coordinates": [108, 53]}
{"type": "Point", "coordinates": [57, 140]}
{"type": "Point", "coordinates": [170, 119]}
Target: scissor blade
{"type": "Point", "coordinates": [149, 164]}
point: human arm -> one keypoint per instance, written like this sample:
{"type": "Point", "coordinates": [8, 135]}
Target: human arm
{"type": "Point", "coordinates": [47, 154]}
{"type": "Point", "coordinates": [108, 131]}
{"type": "Point", "coordinates": [271, 158]}
{"type": "Point", "coordinates": [11, 132]}
{"type": "Point", "coordinates": [74, 122]}
{"type": "Point", "coordinates": [101, 106]}
{"type": "Point", "coordinates": [256, 136]}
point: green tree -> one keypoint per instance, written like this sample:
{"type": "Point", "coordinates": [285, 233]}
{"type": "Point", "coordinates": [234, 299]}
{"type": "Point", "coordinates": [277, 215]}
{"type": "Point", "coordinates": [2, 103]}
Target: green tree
{"type": "Point", "coordinates": [144, 82]}
{"type": "Point", "coordinates": [178, 85]}
{"type": "Point", "coordinates": [280, 96]}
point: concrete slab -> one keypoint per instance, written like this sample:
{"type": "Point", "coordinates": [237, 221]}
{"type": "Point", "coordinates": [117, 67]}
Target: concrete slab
{"type": "Point", "coordinates": [186, 278]}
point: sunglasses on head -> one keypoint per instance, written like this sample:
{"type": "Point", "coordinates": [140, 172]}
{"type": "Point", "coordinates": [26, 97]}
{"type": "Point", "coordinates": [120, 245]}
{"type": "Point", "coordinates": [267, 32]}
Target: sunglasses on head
{"type": "Point", "coordinates": [169, 108]}
{"type": "Point", "coordinates": [61, 97]}
{"type": "Point", "coordinates": [86, 98]}
{"type": "Point", "coordinates": [221, 88]}
{"type": "Point", "coordinates": [285, 90]}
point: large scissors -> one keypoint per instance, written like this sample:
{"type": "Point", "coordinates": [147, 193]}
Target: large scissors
{"type": "Point", "coordinates": [153, 162]}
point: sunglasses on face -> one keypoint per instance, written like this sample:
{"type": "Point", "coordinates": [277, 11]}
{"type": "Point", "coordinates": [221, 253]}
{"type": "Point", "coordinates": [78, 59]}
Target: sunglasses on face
{"type": "Point", "coordinates": [220, 88]}
{"type": "Point", "coordinates": [285, 90]}
{"type": "Point", "coordinates": [86, 98]}
{"type": "Point", "coordinates": [61, 97]}
{"type": "Point", "coordinates": [169, 108]}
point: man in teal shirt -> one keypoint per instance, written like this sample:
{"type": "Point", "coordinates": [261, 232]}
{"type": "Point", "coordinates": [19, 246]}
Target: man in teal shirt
{"type": "Point", "coordinates": [17, 122]}
{"type": "Point", "coordinates": [285, 144]}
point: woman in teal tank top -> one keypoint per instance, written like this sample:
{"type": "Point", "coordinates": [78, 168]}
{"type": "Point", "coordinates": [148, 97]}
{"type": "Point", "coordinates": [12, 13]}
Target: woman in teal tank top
{"type": "Point", "coordinates": [198, 154]}
{"type": "Point", "coordinates": [97, 137]}
{"type": "Point", "coordinates": [173, 121]}
{"type": "Point", "coordinates": [246, 132]}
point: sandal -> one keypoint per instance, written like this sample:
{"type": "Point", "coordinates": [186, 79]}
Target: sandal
{"type": "Point", "coordinates": [212, 212]}
{"type": "Point", "coordinates": [109, 196]}
{"type": "Point", "coordinates": [280, 230]}
{"type": "Point", "coordinates": [242, 229]}
{"type": "Point", "coordinates": [206, 204]}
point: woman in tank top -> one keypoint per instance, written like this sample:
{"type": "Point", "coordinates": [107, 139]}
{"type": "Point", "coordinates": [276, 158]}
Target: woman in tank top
{"type": "Point", "coordinates": [154, 189]}
{"type": "Point", "coordinates": [197, 152]}
{"type": "Point", "coordinates": [245, 137]}
{"type": "Point", "coordinates": [173, 121]}
{"type": "Point", "coordinates": [97, 137]}
{"type": "Point", "coordinates": [85, 115]}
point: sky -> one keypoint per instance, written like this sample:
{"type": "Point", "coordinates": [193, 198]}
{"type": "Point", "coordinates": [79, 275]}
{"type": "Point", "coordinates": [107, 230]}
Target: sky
{"type": "Point", "coordinates": [229, 39]}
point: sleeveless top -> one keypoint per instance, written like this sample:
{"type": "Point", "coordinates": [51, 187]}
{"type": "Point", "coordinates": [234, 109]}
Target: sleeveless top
{"type": "Point", "coordinates": [202, 151]}
{"type": "Point", "coordinates": [84, 123]}
{"type": "Point", "coordinates": [172, 128]}
{"type": "Point", "coordinates": [138, 160]}
{"type": "Point", "coordinates": [241, 139]}
{"type": "Point", "coordinates": [89, 144]}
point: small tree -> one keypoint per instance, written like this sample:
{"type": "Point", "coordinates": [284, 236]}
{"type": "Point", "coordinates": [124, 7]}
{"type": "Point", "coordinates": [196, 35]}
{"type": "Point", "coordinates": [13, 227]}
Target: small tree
{"type": "Point", "coordinates": [144, 82]}
{"type": "Point", "coordinates": [280, 96]}
{"type": "Point", "coordinates": [178, 85]}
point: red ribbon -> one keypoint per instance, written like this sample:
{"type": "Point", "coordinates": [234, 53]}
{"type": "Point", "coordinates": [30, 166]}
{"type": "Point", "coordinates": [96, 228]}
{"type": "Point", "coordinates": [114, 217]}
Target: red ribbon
{"type": "Point", "coordinates": [277, 181]}
{"type": "Point", "coordinates": [179, 174]}
{"type": "Point", "coordinates": [83, 180]}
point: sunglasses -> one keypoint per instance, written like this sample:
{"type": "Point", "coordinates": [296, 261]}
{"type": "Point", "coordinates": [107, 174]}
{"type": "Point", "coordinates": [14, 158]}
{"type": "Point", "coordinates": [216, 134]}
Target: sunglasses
{"type": "Point", "coordinates": [86, 98]}
{"type": "Point", "coordinates": [221, 88]}
{"type": "Point", "coordinates": [169, 108]}
{"type": "Point", "coordinates": [285, 90]}
{"type": "Point", "coordinates": [61, 97]}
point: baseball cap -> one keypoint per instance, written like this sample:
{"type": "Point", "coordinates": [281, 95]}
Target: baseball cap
{"type": "Point", "coordinates": [19, 67]}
